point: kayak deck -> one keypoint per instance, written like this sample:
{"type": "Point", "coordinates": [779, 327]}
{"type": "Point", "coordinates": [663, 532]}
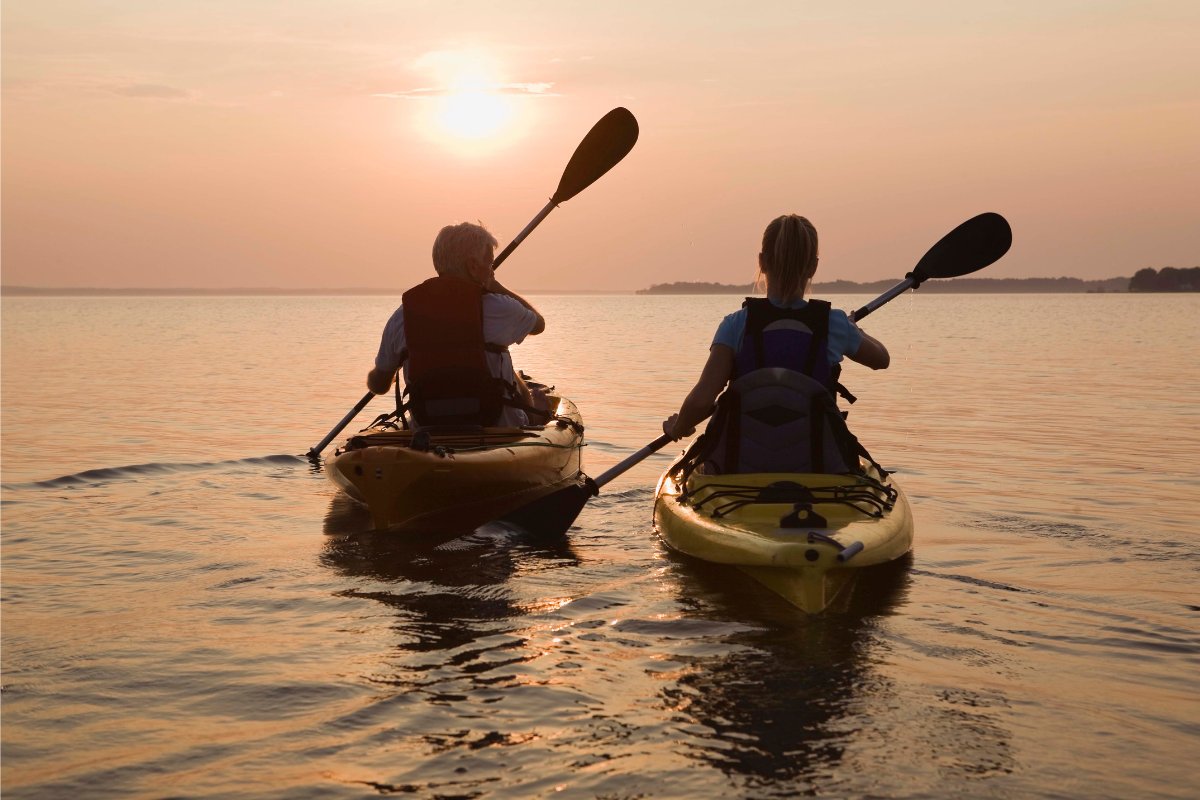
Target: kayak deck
{"type": "Point", "coordinates": [804, 536]}
{"type": "Point", "coordinates": [453, 480]}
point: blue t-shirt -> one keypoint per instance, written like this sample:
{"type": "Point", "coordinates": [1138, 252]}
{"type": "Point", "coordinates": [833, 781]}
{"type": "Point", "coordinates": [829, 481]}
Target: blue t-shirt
{"type": "Point", "coordinates": [844, 336]}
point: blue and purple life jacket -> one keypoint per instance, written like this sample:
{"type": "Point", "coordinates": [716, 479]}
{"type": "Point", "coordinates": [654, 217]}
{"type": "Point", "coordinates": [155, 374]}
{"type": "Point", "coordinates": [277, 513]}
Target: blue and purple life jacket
{"type": "Point", "coordinates": [779, 413]}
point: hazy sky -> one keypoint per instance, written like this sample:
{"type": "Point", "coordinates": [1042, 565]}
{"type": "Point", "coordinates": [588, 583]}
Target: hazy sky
{"type": "Point", "coordinates": [322, 143]}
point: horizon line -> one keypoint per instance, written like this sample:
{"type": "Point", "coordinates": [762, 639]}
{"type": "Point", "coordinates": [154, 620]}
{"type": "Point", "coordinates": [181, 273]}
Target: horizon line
{"type": "Point", "coordinates": [25, 290]}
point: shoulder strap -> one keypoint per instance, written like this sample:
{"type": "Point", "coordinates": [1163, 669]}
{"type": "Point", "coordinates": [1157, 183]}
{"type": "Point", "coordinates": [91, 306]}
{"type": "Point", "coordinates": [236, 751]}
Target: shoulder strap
{"type": "Point", "coordinates": [757, 309]}
{"type": "Point", "coordinates": [818, 323]}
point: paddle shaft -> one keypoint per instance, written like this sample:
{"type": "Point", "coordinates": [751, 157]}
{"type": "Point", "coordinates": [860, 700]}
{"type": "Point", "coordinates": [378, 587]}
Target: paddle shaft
{"type": "Point", "coordinates": [359, 406]}
{"type": "Point", "coordinates": [520, 237]}
{"type": "Point", "coordinates": [910, 282]}
{"type": "Point", "coordinates": [625, 465]}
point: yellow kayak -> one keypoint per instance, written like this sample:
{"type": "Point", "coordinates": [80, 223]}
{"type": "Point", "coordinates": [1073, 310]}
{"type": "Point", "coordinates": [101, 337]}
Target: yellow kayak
{"type": "Point", "coordinates": [804, 536]}
{"type": "Point", "coordinates": [454, 480]}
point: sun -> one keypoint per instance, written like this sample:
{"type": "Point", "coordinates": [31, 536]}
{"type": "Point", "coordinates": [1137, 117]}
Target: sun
{"type": "Point", "coordinates": [473, 108]}
{"type": "Point", "coordinates": [474, 113]}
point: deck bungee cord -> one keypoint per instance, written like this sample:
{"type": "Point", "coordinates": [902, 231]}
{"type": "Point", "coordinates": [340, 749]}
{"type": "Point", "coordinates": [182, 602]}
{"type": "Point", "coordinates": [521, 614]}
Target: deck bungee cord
{"type": "Point", "coordinates": [877, 498]}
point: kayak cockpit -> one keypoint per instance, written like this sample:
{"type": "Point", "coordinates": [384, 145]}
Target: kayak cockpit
{"type": "Point", "coordinates": [442, 479]}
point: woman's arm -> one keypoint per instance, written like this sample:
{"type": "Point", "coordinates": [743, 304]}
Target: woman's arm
{"type": "Point", "coordinates": [698, 405]}
{"type": "Point", "coordinates": [871, 353]}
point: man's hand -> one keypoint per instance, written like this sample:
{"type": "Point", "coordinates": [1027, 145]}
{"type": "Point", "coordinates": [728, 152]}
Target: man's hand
{"type": "Point", "coordinates": [380, 381]}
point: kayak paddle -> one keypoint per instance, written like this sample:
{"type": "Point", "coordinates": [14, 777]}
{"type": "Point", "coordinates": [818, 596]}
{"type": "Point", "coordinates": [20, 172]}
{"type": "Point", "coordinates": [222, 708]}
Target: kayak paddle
{"type": "Point", "coordinates": [553, 514]}
{"type": "Point", "coordinates": [609, 141]}
{"type": "Point", "coordinates": [970, 247]}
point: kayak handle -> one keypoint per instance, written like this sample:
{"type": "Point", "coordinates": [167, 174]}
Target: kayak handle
{"type": "Point", "coordinates": [850, 552]}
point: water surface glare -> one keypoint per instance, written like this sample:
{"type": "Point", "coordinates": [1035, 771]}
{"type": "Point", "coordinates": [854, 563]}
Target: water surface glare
{"type": "Point", "coordinates": [191, 610]}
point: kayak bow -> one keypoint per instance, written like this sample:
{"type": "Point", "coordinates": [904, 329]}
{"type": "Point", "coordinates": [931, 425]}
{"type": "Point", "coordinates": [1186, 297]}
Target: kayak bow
{"type": "Point", "coordinates": [804, 536]}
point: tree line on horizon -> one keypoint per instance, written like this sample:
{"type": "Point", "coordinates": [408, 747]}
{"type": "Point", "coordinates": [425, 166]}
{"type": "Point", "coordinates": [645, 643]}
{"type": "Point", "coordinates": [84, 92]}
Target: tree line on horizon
{"type": "Point", "coordinates": [1168, 279]}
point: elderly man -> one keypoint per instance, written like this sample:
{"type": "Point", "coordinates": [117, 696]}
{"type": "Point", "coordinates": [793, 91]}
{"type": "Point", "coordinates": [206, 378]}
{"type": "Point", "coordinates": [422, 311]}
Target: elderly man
{"type": "Point", "coordinates": [451, 335]}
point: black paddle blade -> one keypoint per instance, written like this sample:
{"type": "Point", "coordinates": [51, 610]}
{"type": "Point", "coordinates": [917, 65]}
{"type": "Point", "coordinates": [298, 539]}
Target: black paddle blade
{"type": "Point", "coordinates": [606, 143]}
{"type": "Point", "coordinates": [554, 514]}
{"type": "Point", "coordinates": [970, 247]}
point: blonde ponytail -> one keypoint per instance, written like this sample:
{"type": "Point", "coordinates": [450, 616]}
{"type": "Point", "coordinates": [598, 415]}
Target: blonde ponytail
{"type": "Point", "coordinates": [789, 255]}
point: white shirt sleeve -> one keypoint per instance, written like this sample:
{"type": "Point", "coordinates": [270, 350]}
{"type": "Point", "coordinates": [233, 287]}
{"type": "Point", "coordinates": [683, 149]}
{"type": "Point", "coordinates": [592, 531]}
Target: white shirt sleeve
{"type": "Point", "coordinates": [505, 320]}
{"type": "Point", "coordinates": [388, 357]}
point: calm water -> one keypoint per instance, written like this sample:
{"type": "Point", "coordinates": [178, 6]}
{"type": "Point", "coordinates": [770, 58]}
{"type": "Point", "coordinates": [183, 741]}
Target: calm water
{"type": "Point", "coordinates": [190, 610]}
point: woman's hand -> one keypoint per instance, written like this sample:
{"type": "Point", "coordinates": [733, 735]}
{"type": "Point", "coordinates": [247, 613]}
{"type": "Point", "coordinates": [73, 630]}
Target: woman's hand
{"type": "Point", "coordinates": [669, 428]}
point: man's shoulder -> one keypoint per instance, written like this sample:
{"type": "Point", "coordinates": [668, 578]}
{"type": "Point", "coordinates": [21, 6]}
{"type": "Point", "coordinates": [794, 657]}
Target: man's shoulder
{"type": "Point", "coordinates": [397, 317]}
{"type": "Point", "coordinates": [502, 307]}
{"type": "Point", "coordinates": [505, 320]}
{"type": "Point", "coordinates": [501, 303]}
{"type": "Point", "coordinates": [394, 327]}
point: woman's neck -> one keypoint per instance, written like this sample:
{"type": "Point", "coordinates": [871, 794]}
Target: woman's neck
{"type": "Point", "coordinates": [775, 294]}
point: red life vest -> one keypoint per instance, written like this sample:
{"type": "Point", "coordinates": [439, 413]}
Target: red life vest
{"type": "Point", "coordinates": [449, 382]}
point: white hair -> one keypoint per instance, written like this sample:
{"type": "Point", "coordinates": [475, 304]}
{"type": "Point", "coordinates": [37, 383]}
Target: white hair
{"type": "Point", "coordinates": [456, 245]}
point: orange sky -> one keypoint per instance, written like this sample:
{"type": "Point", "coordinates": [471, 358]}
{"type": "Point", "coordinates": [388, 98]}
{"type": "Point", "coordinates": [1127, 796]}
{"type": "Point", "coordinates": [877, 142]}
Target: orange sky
{"type": "Point", "coordinates": [241, 143]}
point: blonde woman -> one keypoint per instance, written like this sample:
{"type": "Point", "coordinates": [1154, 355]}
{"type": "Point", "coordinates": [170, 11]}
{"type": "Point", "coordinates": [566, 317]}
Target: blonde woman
{"type": "Point", "coordinates": [784, 330]}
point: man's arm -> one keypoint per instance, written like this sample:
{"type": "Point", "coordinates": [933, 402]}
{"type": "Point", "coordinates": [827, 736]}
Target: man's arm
{"type": "Point", "coordinates": [388, 358]}
{"type": "Point", "coordinates": [496, 287]}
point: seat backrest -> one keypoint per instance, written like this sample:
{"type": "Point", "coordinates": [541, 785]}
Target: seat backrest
{"type": "Point", "coordinates": [780, 420]}
{"type": "Point", "coordinates": [448, 377]}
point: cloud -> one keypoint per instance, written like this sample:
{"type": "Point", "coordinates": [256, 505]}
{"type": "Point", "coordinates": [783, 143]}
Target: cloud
{"type": "Point", "coordinates": [528, 88]}
{"type": "Point", "coordinates": [152, 90]}
{"type": "Point", "coordinates": [536, 89]}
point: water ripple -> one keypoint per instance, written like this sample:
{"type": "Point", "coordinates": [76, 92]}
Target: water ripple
{"type": "Point", "coordinates": [104, 475]}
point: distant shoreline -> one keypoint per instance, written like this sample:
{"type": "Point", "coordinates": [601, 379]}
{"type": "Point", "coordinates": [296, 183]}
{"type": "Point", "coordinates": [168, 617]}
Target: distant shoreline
{"type": "Point", "coordinates": [1167, 279]}
{"type": "Point", "coordinates": [955, 286]}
